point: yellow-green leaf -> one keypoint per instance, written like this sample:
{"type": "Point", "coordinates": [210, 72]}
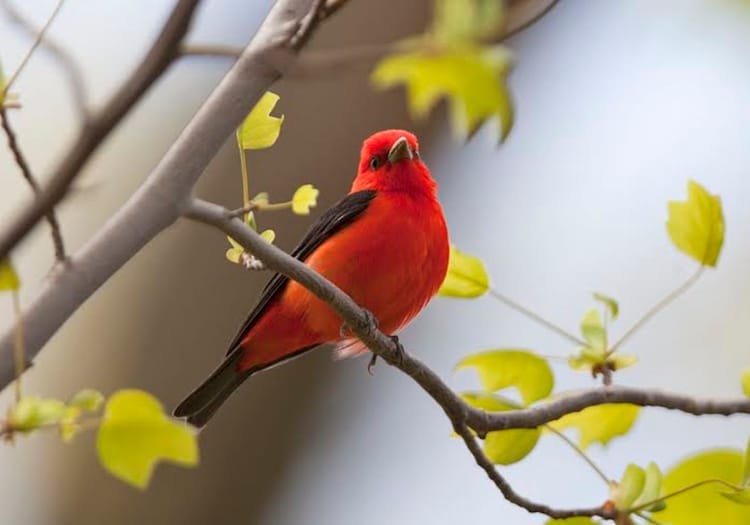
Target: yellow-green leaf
{"type": "Point", "coordinates": [610, 303]}
{"type": "Point", "coordinates": [30, 413]}
{"type": "Point", "coordinates": [593, 331]}
{"type": "Point", "coordinates": [466, 278]}
{"type": "Point", "coordinates": [499, 369]}
{"type": "Point", "coordinates": [69, 426]}
{"type": "Point", "coordinates": [304, 198]}
{"type": "Point", "coordinates": [135, 434]}
{"type": "Point", "coordinates": [746, 381]}
{"type": "Point", "coordinates": [260, 130]}
{"type": "Point", "coordinates": [457, 21]}
{"type": "Point", "coordinates": [704, 505]}
{"type": "Point", "coordinates": [87, 399]}
{"type": "Point", "coordinates": [599, 423]}
{"type": "Point", "coordinates": [261, 199]}
{"type": "Point", "coordinates": [8, 277]}
{"type": "Point", "coordinates": [619, 362]}
{"type": "Point", "coordinates": [471, 78]}
{"type": "Point", "coordinates": [268, 236]}
{"type": "Point", "coordinates": [696, 226]}
{"type": "Point", "coordinates": [651, 489]}
{"type": "Point", "coordinates": [503, 447]}
{"type": "Point", "coordinates": [630, 487]}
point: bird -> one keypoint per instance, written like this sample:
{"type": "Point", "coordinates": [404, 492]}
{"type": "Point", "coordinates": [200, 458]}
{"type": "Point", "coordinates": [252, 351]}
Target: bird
{"type": "Point", "coordinates": [385, 244]}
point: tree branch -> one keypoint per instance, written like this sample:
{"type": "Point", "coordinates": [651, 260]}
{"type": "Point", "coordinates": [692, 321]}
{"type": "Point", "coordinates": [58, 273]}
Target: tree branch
{"type": "Point", "coordinates": [23, 165]}
{"type": "Point", "coordinates": [96, 129]}
{"type": "Point", "coordinates": [156, 204]}
{"type": "Point", "coordinates": [461, 415]}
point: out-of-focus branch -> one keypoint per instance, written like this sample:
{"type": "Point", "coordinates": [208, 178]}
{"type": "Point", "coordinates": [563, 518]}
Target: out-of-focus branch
{"type": "Point", "coordinates": [97, 128]}
{"type": "Point", "coordinates": [23, 165]}
{"type": "Point", "coordinates": [69, 65]}
{"type": "Point", "coordinates": [156, 204]}
{"type": "Point", "coordinates": [462, 416]}
{"type": "Point", "coordinates": [37, 40]}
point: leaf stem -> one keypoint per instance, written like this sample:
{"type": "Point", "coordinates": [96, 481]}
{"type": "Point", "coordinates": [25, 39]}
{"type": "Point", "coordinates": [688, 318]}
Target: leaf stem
{"type": "Point", "coordinates": [580, 452]}
{"type": "Point", "coordinates": [535, 317]}
{"type": "Point", "coordinates": [245, 182]}
{"type": "Point", "coordinates": [33, 47]}
{"type": "Point", "coordinates": [683, 490]}
{"type": "Point", "coordinates": [658, 307]}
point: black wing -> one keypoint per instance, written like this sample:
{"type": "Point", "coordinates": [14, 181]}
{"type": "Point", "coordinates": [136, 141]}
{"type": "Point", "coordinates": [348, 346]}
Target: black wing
{"type": "Point", "coordinates": [339, 215]}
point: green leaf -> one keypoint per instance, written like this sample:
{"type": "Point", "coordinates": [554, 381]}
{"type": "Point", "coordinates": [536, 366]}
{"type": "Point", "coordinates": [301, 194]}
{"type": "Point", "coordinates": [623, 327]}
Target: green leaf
{"type": "Point", "coordinates": [260, 130]}
{"type": "Point", "coordinates": [268, 235]}
{"type": "Point", "coordinates": [746, 381]}
{"type": "Point", "coordinates": [573, 521]}
{"type": "Point", "coordinates": [8, 277]}
{"type": "Point", "coordinates": [629, 488]}
{"type": "Point", "coordinates": [466, 278]}
{"type": "Point", "coordinates": [135, 434]}
{"type": "Point", "coordinates": [304, 198]}
{"type": "Point", "coordinates": [457, 21]}
{"type": "Point", "coordinates": [261, 199]}
{"type": "Point", "coordinates": [619, 361]}
{"type": "Point", "coordinates": [696, 226]}
{"type": "Point", "coordinates": [652, 489]}
{"type": "Point", "coordinates": [593, 331]}
{"type": "Point", "coordinates": [471, 78]}
{"type": "Point", "coordinates": [600, 423]}
{"type": "Point", "coordinates": [31, 413]}
{"type": "Point", "coordinates": [704, 505]}
{"type": "Point", "coordinates": [499, 369]}
{"type": "Point", "coordinates": [503, 447]}
{"type": "Point", "coordinates": [88, 399]}
{"type": "Point", "coordinates": [741, 497]}
{"type": "Point", "coordinates": [611, 304]}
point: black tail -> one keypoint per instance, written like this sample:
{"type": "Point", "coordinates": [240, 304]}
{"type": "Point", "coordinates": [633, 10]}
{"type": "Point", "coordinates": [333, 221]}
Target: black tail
{"type": "Point", "coordinates": [205, 400]}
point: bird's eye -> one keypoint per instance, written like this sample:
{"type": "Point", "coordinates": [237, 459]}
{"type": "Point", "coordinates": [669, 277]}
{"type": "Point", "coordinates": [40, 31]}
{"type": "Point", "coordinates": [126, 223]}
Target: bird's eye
{"type": "Point", "coordinates": [374, 163]}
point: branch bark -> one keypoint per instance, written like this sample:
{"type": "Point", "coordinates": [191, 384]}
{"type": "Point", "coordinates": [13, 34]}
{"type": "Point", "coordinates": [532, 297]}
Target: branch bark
{"type": "Point", "coordinates": [156, 204]}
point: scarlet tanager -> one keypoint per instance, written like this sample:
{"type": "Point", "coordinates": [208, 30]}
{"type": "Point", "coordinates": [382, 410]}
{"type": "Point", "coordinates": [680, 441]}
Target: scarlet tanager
{"type": "Point", "coordinates": [385, 244]}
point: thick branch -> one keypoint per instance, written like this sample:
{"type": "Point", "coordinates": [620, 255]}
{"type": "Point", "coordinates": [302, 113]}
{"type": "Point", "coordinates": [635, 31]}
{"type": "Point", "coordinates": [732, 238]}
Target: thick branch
{"type": "Point", "coordinates": [156, 204]}
{"type": "Point", "coordinates": [98, 126]}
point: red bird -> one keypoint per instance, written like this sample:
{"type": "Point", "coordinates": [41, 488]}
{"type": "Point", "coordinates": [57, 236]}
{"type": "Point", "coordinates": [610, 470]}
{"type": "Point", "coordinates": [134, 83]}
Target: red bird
{"type": "Point", "coordinates": [385, 244]}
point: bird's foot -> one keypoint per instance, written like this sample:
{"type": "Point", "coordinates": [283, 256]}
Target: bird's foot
{"type": "Point", "coordinates": [369, 322]}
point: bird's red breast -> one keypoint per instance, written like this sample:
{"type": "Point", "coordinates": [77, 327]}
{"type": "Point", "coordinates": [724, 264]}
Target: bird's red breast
{"type": "Point", "coordinates": [391, 257]}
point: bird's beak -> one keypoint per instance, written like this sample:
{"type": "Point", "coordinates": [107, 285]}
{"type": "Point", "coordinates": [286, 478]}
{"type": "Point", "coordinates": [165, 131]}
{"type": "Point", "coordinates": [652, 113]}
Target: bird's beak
{"type": "Point", "coordinates": [400, 151]}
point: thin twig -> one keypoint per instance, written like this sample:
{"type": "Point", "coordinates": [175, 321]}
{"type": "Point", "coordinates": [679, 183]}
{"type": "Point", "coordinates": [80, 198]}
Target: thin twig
{"type": "Point", "coordinates": [460, 414]}
{"type": "Point", "coordinates": [69, 65]}
{"type": "Point", "coordinates": [683, 490]}
{"type": "Point", "coordinates": [658, 307]}
{"type": "Point", "coordinates": [20, 158]}
{"type": "Point", "coordinates": [33, 47]}
{"type": "Point", "coordinates": [511, 495]}
{"type": "Point", "coordinates": [580, 452]}
{"type": "Point", "coordinates": [535, 317]}
{"type": "Point", "coordinates": [156, 61]}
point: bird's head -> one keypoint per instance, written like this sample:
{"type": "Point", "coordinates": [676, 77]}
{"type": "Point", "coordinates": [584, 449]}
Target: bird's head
{"type": "Point", "coordinates": [390, 161]}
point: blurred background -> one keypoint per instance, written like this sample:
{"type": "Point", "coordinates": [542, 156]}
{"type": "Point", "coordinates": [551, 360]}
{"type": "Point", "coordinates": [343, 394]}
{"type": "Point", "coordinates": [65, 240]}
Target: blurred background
{"type": "Point", "coordinates": [618, 104]}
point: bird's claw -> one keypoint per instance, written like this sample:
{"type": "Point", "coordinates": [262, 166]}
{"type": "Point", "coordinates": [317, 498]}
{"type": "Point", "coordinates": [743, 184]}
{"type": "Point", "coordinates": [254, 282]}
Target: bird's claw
{"type": "Point", "coordinates": [371, 364]}
{"type": "Point", "coordinates": [400, 351]}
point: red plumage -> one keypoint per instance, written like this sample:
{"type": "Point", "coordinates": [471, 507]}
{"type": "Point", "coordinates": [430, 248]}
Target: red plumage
{"type": "Point", "coordinates": [386, 245]}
